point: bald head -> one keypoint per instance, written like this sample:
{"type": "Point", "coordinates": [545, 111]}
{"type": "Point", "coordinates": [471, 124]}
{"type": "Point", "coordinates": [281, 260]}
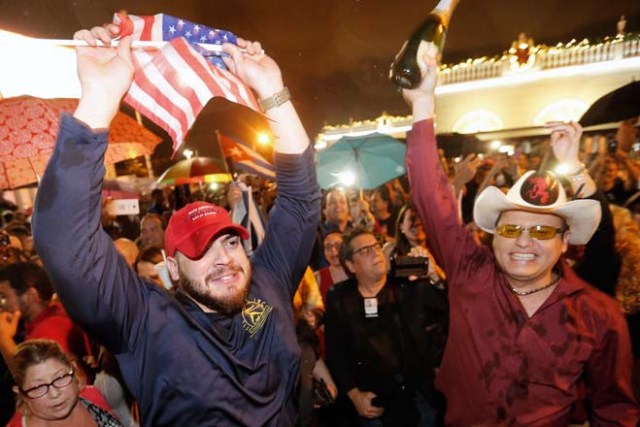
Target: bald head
{"type": "Point", "coordinates": [128, 249]}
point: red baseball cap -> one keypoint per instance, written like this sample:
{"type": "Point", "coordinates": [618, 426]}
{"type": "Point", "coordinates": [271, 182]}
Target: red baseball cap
{"type": "Point", "coordinates": [191, 229]}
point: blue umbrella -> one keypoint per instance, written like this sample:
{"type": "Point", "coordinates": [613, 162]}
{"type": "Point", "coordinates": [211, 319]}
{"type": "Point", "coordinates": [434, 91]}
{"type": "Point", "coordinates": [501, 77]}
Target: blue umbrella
{"type": "Point", "coordinates": [372, 159]}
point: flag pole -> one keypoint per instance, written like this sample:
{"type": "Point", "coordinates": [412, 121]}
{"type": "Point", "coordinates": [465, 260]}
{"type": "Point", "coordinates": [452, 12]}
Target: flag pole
{"type": "Point", "coordinates": [136, 44]}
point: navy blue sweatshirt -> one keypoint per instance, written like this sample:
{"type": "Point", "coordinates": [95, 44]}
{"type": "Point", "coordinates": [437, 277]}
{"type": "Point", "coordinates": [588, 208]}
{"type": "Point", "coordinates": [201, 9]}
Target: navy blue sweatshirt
{"type": "Point", "coordinates": [182, 371]}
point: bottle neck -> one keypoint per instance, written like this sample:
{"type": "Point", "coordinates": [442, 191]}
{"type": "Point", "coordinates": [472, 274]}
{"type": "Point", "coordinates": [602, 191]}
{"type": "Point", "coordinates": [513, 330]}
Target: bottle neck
{"type": "Point", "coordinates": [444, 9]}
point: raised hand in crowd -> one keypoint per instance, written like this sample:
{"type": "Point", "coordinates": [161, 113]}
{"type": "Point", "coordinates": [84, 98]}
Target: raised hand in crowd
{"type": "Point", "coordinates": [105, 75]}
{"type": "Point", "coordinates": [249, 61]}
{"type": "Point", "coordinates": [361, 215]}
{"type": "Point", "coordinates": [565, 142]}
{"type": "Point", "coordinates": [499, 166]}
{"type": "Point", "coordinates": [422, 99]}
{"type": "Point", "coordinates": [465, 170]}
{"type": "Point", "coordinates": [8, 329]}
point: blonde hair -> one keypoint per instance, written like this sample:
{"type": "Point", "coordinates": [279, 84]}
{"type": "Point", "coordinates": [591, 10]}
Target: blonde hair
{"type": "Point", "coordinates": [627, 244]}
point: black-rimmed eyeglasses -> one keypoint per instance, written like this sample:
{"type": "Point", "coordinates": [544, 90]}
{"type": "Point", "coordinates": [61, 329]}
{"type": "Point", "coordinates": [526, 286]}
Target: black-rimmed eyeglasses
{"type": "Point", "coordinates": [39, 391]}
{"type": "Point", "coordinates": [369, 249]}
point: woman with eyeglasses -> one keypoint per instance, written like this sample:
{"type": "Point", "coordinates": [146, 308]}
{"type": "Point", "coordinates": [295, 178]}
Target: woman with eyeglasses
{"type": "Point", "coordinates": [50, 392]}
{"type": "Point", "coordinates": [411, 240]}
{"type": "Point", "coordinates": [334, 273]}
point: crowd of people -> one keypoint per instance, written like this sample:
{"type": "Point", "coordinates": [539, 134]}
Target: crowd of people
{"type": "Point", "coordinates": [473, 291]}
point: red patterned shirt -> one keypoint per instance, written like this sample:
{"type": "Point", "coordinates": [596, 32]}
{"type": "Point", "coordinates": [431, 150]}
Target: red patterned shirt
{"type": "Point", "coordinates": [502, 367]}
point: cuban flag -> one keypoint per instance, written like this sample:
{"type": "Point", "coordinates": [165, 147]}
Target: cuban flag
{"type": "Point", "coordinates": [242, 158]}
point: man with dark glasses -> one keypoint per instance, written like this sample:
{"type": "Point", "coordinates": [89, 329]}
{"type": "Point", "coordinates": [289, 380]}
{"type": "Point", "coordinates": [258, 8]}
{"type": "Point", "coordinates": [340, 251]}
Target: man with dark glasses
{"type": "Point", "coordinates": [383, 334]}
{"type": "Point", "coordinates": [525, 330]}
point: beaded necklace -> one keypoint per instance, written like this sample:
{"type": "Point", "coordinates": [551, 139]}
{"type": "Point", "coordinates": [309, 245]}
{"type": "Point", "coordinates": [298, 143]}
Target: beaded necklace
{"type": "Point", "coordinates": [533, 291]}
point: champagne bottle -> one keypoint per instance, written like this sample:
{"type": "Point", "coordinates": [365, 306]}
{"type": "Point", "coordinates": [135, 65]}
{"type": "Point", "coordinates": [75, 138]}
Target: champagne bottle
{"type": "Point", "coordinates": [406, 68]}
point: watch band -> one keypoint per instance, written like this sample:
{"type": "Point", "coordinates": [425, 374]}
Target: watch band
{"type": "Point", "coordinates": [275, 100]}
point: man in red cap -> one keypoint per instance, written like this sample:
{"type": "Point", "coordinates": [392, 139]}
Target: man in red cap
{"type": "Point", "coordinates": [199, 236]}
{"type": "Point", "coordinates": [524, 330]}
{"type": "Point", "coordinates": [223, 351]}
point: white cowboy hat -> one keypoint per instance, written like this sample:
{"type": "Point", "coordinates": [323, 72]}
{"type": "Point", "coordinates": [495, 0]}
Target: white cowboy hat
{"type": "Point", "coordinates": [539, 193]}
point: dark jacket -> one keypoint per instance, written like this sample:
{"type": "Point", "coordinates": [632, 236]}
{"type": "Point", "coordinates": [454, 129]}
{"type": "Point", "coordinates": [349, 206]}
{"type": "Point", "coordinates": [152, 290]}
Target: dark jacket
{"type": "Point", "coordinates": [390, 354]}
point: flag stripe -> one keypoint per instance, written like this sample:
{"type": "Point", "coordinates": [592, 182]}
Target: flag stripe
{"type": "Point", "coordinates": [174, 79]}
{"type": "Point", "coordinates": [138, 26]}
{"type": "Point", "coordinates": [241, 89]}
{"type": "Point", "coordinates": [200, 72]}
{"type": "Point", "coordinates": [173, 84]}
{"type": "Point", "coordinates": [157, 32]}
{"type": "Point", "coordinates": [144, 56]}
{"type": "Point", "coordinates": [163, 97]}
{"type": "Point", "coordinates": [153, 81]}
{"type": "Point", "coordinates": [210, 75]}
{"type": "Point", "coordinates": [147, 27]}
{"type": "Point", "coordinates": [141, 101]}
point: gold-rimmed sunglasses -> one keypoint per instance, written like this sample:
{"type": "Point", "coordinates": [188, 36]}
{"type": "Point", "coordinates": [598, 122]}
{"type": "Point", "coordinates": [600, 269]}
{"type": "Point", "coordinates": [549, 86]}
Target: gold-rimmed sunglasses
{"type": "Point", "coordinates": [538, 232]}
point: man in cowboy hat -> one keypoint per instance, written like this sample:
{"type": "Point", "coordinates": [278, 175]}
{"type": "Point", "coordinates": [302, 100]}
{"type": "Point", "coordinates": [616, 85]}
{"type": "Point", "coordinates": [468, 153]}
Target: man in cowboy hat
{"type": "Point", "coordinates": [524, 329]}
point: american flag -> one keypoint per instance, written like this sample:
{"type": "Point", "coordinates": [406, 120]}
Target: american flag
{"type": "Point", "coordinates": [245, 159]}
{"type": "Point", "coordinates": [172, 84]}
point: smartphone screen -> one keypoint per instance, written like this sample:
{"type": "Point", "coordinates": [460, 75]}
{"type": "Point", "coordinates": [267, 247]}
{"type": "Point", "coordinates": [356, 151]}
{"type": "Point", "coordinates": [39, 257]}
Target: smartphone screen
{"type": "Point", "coordinates": [123, 207]}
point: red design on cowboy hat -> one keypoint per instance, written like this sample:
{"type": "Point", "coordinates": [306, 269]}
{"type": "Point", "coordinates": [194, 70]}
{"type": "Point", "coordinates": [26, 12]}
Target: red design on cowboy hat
{"type": "Point", "coordinates": [540, 189]}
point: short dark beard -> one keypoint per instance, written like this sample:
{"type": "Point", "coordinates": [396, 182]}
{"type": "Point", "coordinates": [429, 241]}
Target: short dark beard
{"type": "Point", "coordinates": [227, 306]}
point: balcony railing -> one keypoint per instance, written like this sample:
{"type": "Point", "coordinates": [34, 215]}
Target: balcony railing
{"type": "Point", "coordinates": [542, 58]}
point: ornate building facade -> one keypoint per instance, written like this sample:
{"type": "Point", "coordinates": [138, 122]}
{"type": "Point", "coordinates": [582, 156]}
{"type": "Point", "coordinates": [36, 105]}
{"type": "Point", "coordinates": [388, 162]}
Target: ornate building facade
{"type": "Point", "coordinates": [510, 96]}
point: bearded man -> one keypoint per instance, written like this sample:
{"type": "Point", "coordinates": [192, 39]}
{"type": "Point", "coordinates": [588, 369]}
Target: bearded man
{"type": "Point", "coordinates": [223, 350]}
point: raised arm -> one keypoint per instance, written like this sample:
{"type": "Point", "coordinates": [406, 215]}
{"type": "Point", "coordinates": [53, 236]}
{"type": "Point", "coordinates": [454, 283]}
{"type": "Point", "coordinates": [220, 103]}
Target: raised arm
{"type": "Point", "coordinates": [431, 191]}
{"type": "Point", "coordinates": [105, 75]}
{"type": "Point", "coordinates": [565, 142]}
{"type": "Point", "coordinates": [292, 222]}
{"type": "Point", "coordinates": [95, 284]}
{"type": "Point", "coordinates": [263, 75]}
{"type": "Point", "coordinates": [600, 263]}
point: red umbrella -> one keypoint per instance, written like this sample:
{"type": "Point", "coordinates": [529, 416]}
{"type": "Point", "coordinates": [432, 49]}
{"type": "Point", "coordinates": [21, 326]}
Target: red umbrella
{"type": "Point", "coordinates": [195, 170]}
{"type": "Point", "coordinates": [28, 130]}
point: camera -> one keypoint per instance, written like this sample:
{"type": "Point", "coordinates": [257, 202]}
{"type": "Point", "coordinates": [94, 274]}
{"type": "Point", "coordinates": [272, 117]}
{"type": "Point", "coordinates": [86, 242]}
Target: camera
{"type": "Point", "coordinates": [612, 146]}
{"type": "Point", "coordinates": [405, 266]}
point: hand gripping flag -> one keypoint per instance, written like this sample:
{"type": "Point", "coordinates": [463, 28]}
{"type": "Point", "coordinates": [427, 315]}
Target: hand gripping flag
{"type": "Point", "coordinates": [242, 158]}
{"type": "Point", "coordinates": [172, 84]}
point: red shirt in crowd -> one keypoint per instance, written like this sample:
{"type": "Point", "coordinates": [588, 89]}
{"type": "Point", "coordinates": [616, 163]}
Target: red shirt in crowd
{"type": "Point", "coordinates": [502, 367]}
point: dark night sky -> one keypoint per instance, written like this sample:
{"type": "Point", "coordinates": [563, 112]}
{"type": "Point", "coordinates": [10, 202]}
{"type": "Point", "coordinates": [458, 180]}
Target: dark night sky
{"type": "Point", "coordinates": [335, 54]}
